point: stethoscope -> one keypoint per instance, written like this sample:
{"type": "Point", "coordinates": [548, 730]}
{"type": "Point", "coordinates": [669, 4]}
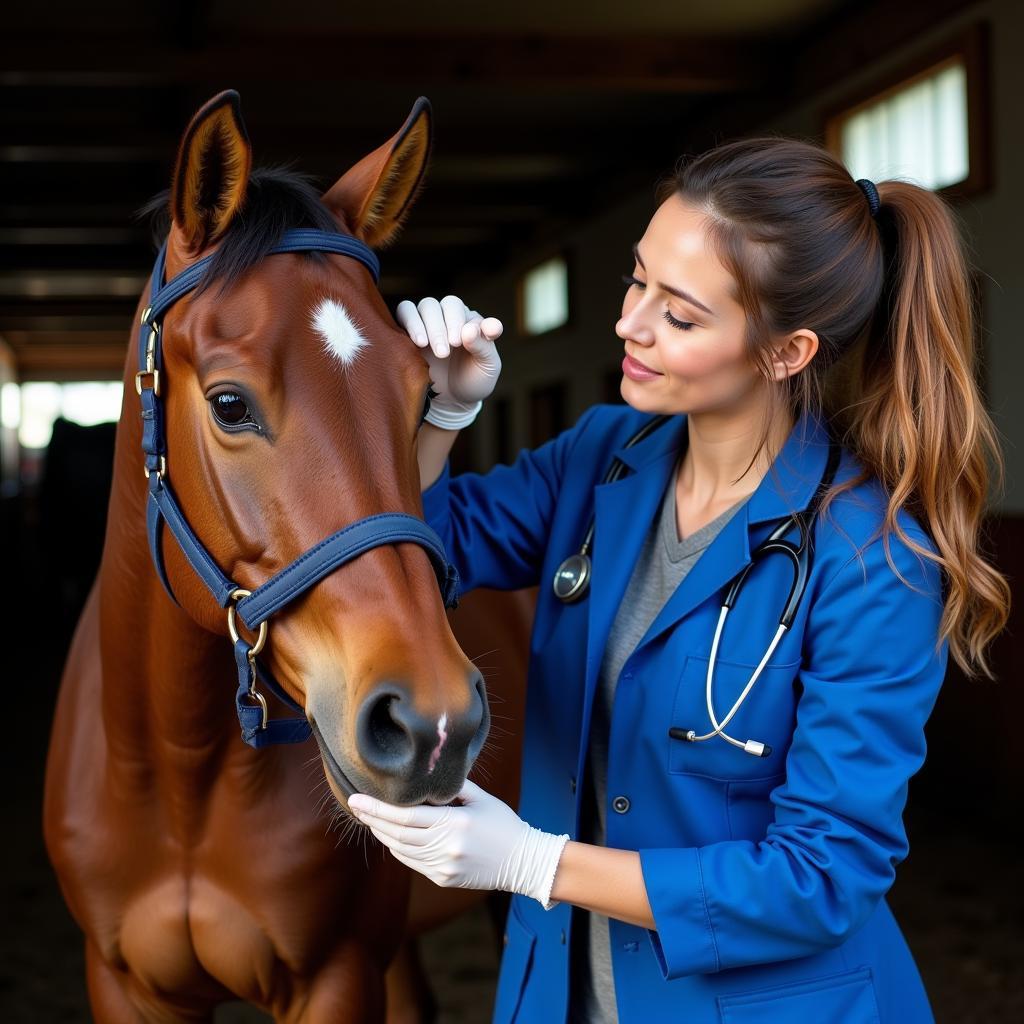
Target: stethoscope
{"type": "Point", "coordinates": [572, 580]}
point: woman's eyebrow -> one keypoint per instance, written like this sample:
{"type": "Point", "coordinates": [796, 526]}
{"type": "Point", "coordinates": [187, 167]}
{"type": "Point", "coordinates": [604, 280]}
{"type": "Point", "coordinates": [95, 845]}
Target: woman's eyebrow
{"type": "Point", "coordinates": [678, 292]}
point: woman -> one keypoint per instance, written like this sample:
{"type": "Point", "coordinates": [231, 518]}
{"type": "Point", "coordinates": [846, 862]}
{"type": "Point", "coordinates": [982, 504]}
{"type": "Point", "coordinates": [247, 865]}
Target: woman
{"type": "Point", "coordinates": [742, 878]}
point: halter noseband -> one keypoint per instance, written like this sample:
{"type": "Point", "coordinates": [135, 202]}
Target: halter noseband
{"type": "Point", "coordinates": [255, 608]}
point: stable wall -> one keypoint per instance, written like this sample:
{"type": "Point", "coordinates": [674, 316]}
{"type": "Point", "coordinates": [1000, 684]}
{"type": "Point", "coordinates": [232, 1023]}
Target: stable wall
{"type": "Point", "coordinates": [584, 353]}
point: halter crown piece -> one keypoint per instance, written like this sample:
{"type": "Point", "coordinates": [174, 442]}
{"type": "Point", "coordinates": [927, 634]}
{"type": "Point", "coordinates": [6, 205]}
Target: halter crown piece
{"type": "Point", "coordinates": [254, 608]}
{"type": "Point", "coordinates": [867, 186]}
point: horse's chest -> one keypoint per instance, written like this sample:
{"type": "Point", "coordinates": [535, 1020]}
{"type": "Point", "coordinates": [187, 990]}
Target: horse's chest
{"type": "Point", "coordinates": [190, 934]}
{"type": "Point", "coordinates": [257, 893]}
{"type": "Point", "coordinates": [234, 916]}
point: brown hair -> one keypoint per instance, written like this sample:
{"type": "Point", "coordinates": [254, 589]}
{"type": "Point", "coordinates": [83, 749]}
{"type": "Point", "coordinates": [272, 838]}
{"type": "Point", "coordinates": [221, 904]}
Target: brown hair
{"type": "Point", "coordinates": [894, 375]}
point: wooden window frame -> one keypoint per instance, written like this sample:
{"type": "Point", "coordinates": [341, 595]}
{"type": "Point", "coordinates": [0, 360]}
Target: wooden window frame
{"type": "Point", "coordinates": [971, 46]}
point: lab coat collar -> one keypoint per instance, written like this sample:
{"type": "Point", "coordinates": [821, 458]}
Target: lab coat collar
{"type": "Point", "coordinates": [787, 486]}
{"type": "Point", "coordinates": [669, 437]}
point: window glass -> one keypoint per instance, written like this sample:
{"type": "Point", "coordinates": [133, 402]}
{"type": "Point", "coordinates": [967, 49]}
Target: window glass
{"type": "Point", "coordinates": [918, 133]}
{"type": "Point", "coordinates": [545, 296]}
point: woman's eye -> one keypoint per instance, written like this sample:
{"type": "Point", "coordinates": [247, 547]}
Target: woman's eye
{"type": "Point", "coordinates": [632, 281]}
{"type": "Point", "coordinates": [682, 325]}
{"type": "Point", "coordinates": [230, 410]}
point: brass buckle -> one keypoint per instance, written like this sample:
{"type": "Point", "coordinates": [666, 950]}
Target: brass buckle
{"type": "Point", "coordinates": [161, 472]}
{"type": "Point", "coordinates": [150, 370]}
{"type": "Point", "coordinates": [255, 649]}
{"type": "Point", "coordinates": [155, 374]}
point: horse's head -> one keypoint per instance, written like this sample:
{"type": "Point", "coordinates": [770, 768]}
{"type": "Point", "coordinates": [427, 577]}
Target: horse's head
{"type": "Point", "coordinates": [293, 403]}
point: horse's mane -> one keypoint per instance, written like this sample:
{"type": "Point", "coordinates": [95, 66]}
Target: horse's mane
{"type": "Point", "coordinates": [277, 200]}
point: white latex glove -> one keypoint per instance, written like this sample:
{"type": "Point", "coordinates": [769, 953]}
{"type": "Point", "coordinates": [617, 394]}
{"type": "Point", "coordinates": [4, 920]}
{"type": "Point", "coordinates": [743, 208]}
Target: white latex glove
{"type": "Point", "coordinates": [459, 348]}
{"type": "Point", "coordinates": [481, 844]}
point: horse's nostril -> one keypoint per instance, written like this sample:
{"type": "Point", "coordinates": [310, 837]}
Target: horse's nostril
{"type": "Point", "coordinates": [384, 740]}
{"type": "Point", "coordinates": [397, 741]}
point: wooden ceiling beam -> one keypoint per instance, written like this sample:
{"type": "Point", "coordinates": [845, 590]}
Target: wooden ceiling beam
{"type": "Point", "coordinates": [538, 62]}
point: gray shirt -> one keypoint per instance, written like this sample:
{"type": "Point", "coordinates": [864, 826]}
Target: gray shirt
{"type": "Point", "coordinates": [662, 564]}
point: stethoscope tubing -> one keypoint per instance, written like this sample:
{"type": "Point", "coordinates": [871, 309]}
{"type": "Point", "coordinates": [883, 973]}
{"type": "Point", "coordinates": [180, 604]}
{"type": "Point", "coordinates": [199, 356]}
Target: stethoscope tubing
{"type": "Point", "coordinates": [749, 746]}
{"type": "Point", "coordinates": [572, 580]}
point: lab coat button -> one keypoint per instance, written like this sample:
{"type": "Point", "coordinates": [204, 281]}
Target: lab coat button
{"type": "Point", "coordinates": [620, 804]}
{"type": "Point", "coordinates": [504, 939]}
{"type": "Point", "coordinates": [572, 785]}
{"type": "Point", "coordinates": [563, 936]}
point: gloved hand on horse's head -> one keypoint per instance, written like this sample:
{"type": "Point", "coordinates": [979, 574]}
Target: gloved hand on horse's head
{"type": "Point", "coordinates": [459, 348]}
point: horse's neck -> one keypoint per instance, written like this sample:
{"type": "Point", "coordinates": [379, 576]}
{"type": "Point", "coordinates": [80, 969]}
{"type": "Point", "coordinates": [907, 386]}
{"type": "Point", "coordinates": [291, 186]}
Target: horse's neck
{"type": "Point", "coordinates": [168, 694]}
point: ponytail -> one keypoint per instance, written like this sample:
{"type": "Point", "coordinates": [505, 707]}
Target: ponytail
{"type": "Point", "coordinates": [920, 424]}
{"type": "Point", "coordinates": [888, 294]}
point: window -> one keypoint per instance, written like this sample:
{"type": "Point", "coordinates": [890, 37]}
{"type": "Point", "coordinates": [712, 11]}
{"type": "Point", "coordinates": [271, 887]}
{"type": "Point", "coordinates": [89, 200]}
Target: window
{"type": "Point", "coordinates": [927, 124]}
{"type": "Point", "coordinates": [33, 407]}
{"type": "Point", "coordinates": [918, 133]}
{"type": "Point", "coordinates": [544, 297]}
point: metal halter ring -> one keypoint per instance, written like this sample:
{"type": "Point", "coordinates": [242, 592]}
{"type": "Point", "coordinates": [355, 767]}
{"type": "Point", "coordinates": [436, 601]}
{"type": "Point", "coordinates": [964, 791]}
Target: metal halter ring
{"type": "Point", "coordinates": [261, 639]}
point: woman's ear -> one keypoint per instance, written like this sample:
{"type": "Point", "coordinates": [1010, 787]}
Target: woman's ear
{"type": "Point", "coordinates": [373, 197]}
{"type": "Point", "coordinates": [794, 353]}
{"type": "Point", "coordinates": [211, 174]}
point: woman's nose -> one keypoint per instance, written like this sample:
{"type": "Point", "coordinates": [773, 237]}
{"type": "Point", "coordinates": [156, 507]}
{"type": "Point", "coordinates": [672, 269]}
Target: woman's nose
{"type": "Point", "coordinates": [632, 327]}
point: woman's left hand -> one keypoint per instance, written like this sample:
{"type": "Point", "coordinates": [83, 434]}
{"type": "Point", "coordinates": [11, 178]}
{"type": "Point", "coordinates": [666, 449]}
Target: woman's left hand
{"type": "Point", "coordinates": [480, 843]}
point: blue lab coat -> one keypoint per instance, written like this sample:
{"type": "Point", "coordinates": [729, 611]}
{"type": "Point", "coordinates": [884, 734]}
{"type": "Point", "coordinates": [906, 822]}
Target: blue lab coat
{"type": "Point", "coordinates": [766, 876]}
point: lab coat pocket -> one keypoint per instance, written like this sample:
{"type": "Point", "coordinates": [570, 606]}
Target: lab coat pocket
{"type": "Point", "coordinates": [766, 715]}
{"type": "Point", "coordinates": [516, 961]}
{"type": "Point", "coordinates": [847, 998]}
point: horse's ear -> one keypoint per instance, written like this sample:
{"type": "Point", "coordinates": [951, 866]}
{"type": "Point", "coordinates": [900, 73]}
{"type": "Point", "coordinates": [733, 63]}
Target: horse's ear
{"type": "Point", "coordinates": [373, 197]}
{"type": "Point", "coordinates": [212, 172]}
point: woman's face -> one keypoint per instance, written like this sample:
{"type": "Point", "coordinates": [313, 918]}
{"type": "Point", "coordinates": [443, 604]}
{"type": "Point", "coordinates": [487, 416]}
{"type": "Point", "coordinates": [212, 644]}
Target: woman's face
{"type": "Point", "coordinates": [682, 329]}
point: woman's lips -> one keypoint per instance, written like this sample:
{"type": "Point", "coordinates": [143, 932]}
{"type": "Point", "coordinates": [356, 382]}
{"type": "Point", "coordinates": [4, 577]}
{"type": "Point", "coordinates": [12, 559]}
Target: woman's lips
{"type": "Point", "coordinates": [637, 371]}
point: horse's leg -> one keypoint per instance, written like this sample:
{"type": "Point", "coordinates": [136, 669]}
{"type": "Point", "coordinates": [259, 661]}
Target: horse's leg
{"type": "Point", "coordinates": [108, 996]}
{"type": "Point", "coordinates": [410, 997]}
{"type": "Point", "coordinates": [349, 990]}
{"type": "Point", "coordinates": [114, 999]}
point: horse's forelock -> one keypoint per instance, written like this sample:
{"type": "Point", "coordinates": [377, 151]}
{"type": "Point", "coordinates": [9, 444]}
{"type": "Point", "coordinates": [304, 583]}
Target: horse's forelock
{"type": "Point", "coordinates": [278, 200]}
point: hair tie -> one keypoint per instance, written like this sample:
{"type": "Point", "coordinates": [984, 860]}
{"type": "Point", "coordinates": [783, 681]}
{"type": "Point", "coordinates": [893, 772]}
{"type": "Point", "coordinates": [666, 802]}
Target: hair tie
{"type": "Point", "coordinates": [868, 188]}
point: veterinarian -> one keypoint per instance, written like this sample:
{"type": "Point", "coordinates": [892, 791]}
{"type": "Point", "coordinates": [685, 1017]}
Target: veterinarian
{"type": "Point", "coordinates": [714, 776]}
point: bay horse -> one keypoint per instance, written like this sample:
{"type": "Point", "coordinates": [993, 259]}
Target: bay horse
{"type": "Point", "coordinates": [199, 867]}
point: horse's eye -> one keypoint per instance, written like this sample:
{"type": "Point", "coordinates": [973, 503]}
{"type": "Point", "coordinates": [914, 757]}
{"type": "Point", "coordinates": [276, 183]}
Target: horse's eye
{"type": "Point", "coordinates": [430, 396]}
{"type": "Point", "coordinates": [230, 410]}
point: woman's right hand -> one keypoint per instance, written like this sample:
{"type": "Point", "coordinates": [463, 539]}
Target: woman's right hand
{"type": "Point", "coordinates": [459, 348]}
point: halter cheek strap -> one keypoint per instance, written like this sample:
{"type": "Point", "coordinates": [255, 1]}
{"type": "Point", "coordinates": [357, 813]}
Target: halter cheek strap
{"type": "Point", "coordinates": [348, 543]}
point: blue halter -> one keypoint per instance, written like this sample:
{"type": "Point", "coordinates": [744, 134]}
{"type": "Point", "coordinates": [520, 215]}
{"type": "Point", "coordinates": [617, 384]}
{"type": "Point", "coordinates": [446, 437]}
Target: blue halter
{"type": "Point", "coordinates": [255, 608]}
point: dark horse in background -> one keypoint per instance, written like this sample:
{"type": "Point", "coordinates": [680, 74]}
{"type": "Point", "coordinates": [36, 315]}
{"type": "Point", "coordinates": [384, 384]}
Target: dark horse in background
{"type": "Point", "coordinates": [202, 870]}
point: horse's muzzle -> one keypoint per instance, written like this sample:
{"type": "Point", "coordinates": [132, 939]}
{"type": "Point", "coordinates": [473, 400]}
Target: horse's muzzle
{"type": "Point", "coordinates": [415, 756]}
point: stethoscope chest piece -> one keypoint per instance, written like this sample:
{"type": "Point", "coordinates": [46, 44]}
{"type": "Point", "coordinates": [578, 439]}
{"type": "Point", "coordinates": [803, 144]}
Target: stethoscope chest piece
{"type": "Point", "coordinates": [572, 578]}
